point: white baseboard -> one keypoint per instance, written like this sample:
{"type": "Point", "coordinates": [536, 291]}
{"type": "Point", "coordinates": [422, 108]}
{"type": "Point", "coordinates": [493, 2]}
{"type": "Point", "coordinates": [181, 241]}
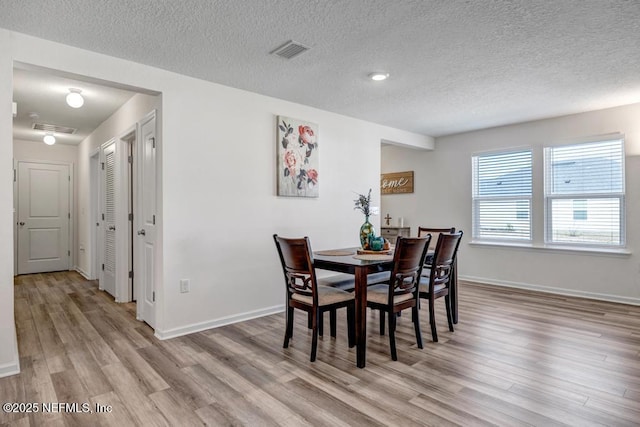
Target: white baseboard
{"type": "Point", "coordinates": [553, 290]}
{"type": "Point", "coordinates": [9, 369]}
{"type": "Point", "coordinates": [82, 272]}
{"type": "Point", "coordinates": [197, 327]}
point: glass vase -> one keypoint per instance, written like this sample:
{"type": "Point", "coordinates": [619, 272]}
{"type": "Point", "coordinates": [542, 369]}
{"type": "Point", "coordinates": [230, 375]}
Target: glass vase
{"type": "Point", "coordinates": [366, 230]}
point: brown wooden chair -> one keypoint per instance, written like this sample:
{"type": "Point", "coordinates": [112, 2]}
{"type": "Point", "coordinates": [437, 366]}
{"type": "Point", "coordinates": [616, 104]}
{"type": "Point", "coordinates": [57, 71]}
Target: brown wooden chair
{"type": "Point", "coordinates": [401, 291]}
{"type": "Point", "coordinates": [304, 293]}
{"type": "Point", "coordinates": [435, 233]}
{"type": "Point", "coordinates": [440, 275]}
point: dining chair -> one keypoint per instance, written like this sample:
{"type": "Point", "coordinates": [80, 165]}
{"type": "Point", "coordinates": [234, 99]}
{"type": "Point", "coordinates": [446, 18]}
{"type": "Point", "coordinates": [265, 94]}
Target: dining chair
{"type": "Point", "coordinates": [440, 276]}
{"type": "Point", "coordinates": [400, 292]}
{"type": "Point", "coordinates": [435, 233]}
{"type": "Point", "coordinates": [304, 293]}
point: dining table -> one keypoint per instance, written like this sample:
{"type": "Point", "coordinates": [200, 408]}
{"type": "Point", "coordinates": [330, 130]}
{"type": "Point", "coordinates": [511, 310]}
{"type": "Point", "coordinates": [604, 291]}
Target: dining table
{"type": "Point", "coordinates": [360, 268]}
{"type": "Point", "coordinates": [346, 262]}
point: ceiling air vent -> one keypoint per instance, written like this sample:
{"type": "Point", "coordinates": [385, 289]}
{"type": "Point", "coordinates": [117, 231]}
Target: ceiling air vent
{"type": "Point", "coordinates": [54, 128]}
{"type": "Point", "coordinates": [290, 49]}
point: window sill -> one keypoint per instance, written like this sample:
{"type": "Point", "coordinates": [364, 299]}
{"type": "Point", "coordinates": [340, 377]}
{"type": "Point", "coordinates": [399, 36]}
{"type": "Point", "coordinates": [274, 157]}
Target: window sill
{"type": "Point", "coordinates": [554, 248]}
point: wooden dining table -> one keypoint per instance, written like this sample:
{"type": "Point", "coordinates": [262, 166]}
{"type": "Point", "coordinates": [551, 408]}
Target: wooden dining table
{"type": "Point", "coordinates": [361, 268]}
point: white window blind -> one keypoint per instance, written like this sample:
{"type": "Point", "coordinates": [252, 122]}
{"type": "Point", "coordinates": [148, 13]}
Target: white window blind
{"type": "Point", "coordinates": [502, 187]}
{"type": "Point", "coordinates": [584, 193]}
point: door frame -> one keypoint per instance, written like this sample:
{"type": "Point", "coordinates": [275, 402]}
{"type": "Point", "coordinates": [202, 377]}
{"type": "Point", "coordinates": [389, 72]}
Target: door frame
{"type": "Point", "coordinates": [127, 190]}
{"type": "Point", "coordinates": [138, 222]}
{"type": "Point", "coordinates": [101, 212]}
{"type": "Point", "coordinates": [95, 209]}
{"type": "Point", "coordinates": [125, 179]}
{"type": "Point", "coordinates": [71, 261]}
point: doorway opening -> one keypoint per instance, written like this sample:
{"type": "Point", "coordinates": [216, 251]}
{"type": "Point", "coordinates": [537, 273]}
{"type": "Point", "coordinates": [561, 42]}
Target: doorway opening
{"type": "Point", "coordinates": [100, 162]}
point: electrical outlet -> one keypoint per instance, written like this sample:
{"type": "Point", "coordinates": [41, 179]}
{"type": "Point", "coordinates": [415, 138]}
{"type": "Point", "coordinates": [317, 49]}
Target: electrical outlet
{"type": "Point", "coordinates": [184, 285]}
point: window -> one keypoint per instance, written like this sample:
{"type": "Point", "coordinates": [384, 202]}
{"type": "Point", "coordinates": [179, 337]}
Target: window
{"type": "Point", "coordinates": [522, 209]}
{"type": "Point", "coordinates": [579, 210]}
{"type": "Point", "coordinates": [584, 193]}
{"type": "Point", "coordinates": [502, 196]}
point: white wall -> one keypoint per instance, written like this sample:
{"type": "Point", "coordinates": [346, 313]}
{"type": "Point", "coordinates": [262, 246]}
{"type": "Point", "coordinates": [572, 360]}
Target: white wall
{"type": "Point", "coordinates": [9, 361]}
{"type": "Point", "coordinates": [443, 198]}
{"type": "Point", "coordinates": [114, 127]}
{"type": "Point", "coordinates": [30, 150]}
{"type": "Point", "coordinates": [218, 204]}
{"type": "Point", "coordinates": [408, 206]}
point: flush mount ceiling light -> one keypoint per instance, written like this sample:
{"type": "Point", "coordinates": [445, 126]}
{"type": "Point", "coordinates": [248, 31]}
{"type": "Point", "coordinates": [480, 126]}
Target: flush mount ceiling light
{"type": "Point", "coordinates": [49, 139]}
{"type": "Point", "coordinates": [74, 99]}
{"type": "Point", "coordinates": [378, 76]}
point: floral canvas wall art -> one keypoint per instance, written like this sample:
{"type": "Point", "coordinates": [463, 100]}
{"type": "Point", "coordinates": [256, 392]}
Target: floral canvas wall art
{"type": "Point", "coordinates": [298, 171]}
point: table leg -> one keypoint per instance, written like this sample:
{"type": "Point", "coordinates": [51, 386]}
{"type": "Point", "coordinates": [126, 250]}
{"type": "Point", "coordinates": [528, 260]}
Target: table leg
{"type": "Point", "coordinates": [361, 316]}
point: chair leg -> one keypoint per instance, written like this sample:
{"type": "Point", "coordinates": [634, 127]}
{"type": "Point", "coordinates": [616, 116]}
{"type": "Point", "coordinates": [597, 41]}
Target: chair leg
{"type": "Point", "coordinates": [332, 322]}
{"type": "Point", "coordinates": [432, 320]}
{"type": "Point", "coordinates": [392, 336]}
{"type": "Point", "coordinates": [416, 325]}
{"type": "Point", "coordinates": [321, 323]}
{"type": "Point", "coordinates": [351, 324]}
{"type": "Point", "coordinates": [381, 322]}
{"type": "Point", "coordinates": [449, 316]}
{"type": "Point", "coordinates": [288, 332]}
{"type": "Point", "coordinates": [314, 339]}
{"type": "Point", "coordinates": [309, 320]}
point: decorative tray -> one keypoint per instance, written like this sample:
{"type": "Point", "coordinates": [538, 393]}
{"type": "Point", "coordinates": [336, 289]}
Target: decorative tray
{"type": "Point", "coordinates": [368, 251]}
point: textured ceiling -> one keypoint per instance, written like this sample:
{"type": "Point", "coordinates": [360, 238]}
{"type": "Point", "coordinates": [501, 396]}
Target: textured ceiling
{"type": "Point", "coordinates": [44, 94]}
{"type": "Point", "coordinates": [455, 65]}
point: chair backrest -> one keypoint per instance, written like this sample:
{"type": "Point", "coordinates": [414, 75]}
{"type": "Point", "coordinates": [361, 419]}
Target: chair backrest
{"type": "Point", "coordinates": [443, 259]}
{"type": "Point", "coordinates": [435, 234]}
{"type": "Point", "coordinates": [297, 265]}
{"type": "Point", "coordinates": [408, 259]}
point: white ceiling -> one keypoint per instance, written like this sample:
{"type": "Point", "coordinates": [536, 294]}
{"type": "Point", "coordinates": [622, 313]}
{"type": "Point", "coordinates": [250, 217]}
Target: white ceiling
{"type": "Point", "coordinates": [43, 93]}
{"type": "Point", "coordinates": [455, 65]}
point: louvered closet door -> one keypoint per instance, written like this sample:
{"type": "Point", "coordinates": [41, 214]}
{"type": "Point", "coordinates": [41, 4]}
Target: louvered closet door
{"type": "Point", "coordinates": [109, 218]}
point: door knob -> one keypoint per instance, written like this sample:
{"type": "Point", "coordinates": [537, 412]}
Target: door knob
{"type": "Point", "coordinates": [142, 232]}
{"type": "Point", "coordinates": [112, 227]}
{"type": "Point", "coordinates": [21, 223]}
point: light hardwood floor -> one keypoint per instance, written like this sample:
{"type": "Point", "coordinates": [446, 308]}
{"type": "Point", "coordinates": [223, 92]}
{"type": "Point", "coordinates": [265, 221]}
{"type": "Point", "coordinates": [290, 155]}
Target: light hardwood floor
{"type": "Point", "coordinates": [516, 358]}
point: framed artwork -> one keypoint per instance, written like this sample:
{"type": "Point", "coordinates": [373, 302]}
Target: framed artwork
{"type": "Point", "coordinates": [298, 171]}
{"type": "Point", "coordinates": [396, 183]}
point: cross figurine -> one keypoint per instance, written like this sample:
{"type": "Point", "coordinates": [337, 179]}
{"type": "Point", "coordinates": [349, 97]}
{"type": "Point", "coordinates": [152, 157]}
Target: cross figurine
{"type": "Point", "coordinates": [388, 218]}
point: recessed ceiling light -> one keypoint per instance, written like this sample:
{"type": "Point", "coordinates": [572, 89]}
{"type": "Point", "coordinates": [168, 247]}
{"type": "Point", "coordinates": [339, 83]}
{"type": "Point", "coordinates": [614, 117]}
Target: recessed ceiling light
{"type": "Point", "coordinates": [49, 139]}
{"type": "Point", "coordinates": [74, 99]}
{"type": "Point", "coordinates": [378, 76]}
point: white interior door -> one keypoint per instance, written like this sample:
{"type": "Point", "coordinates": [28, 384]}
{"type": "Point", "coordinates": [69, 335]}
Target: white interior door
{"type": "Point", "coordinates": [109, 217]}
{"type": "Point", "coordinates": [44, 216]}
{"type": "Point", "coordinates": [146, 242]}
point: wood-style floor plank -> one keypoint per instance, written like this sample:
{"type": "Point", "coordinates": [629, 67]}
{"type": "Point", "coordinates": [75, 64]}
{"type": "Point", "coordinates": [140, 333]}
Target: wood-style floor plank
{"type": "Point", "coordinates": [517, 358]}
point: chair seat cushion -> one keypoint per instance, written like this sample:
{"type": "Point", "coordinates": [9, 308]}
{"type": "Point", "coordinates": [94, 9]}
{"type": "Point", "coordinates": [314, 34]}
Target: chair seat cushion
{"type": "Point", "coordinates": [428, 259]}
{"type": "Point", "coordinates": [424, 286]}
{"type": "Point", "coordinates": [380, 293]}
{"type": "Point", "coordinates": [347, 282]}
{"type": "Point", "coordinates": [326, 296]}
{"type": "Point", "coordinates": [375, 278]}
{"type": "Point", "coordinates": [343, 281]}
